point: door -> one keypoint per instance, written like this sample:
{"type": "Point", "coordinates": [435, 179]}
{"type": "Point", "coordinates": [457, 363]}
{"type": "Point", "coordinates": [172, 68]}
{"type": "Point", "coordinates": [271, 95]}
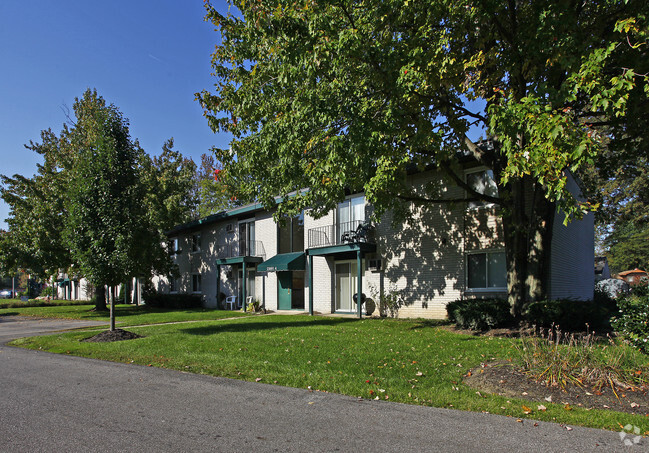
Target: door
{"type": "Point", "coordinates": [284, 290]}
{"type": "Point", "coordinates": [290, 290]}
{"type": "Point", "coordinates": [346, 279]}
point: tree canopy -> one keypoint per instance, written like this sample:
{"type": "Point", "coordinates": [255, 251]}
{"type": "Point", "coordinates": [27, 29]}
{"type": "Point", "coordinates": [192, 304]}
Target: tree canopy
{"type": "Point", "coordinates": [339, 96]}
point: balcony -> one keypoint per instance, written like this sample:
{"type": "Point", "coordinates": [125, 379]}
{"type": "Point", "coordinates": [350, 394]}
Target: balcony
{"type": "Point", "coordinates": [355, 232]}
{"type": "Point", "coordinates": [240, 248]}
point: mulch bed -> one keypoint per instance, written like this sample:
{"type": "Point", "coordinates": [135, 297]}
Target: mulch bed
{"type": "Point", "coordinates": [506, 379]}
{"type": "Point", "coordinates": [503, 378]}
{"type": "Point", "coordinates": [112, 335]}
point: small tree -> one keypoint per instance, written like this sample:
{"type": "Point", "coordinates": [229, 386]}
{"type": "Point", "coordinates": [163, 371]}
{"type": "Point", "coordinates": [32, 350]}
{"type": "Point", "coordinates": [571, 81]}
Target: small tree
{"type": "Point", "coordinates": [107, 228]}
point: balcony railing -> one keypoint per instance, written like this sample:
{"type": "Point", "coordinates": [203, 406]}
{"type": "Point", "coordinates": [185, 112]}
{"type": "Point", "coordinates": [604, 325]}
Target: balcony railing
{"type": "Point", "coordinates": [240, 248]}
{"type": "Point", "coordinates": [341, 233]}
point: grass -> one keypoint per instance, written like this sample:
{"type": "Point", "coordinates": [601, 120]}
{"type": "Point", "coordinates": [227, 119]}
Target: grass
{"type": "Point", "coordinates": [17, 303]}
{"type": "Point", "coordinates": [407, 361]}
{"type": "Point", "coordinates": [125, 315]}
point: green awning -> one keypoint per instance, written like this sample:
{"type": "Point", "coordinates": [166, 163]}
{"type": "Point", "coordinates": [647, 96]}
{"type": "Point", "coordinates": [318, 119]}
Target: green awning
{"type": "Point", "coordinates": [284, 262]}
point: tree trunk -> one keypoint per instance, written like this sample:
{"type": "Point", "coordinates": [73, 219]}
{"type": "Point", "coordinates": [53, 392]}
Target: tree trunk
{"type": "Point", "coordinates": [100, 298]}
{"type": "Point", "coordinates": [527, 225]}
{"type": "Point", "coordinates": [112, 312]}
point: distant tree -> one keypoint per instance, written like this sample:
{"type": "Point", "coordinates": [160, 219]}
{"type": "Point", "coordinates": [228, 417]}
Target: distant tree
{"type": "Point", "coordinates": [212, 194]}
{"type": "Point", "coordinates": [169, 180]}
{"type": "Point", "coordinates": [37, 214]}
{"type": "Point", "coordinates": [628, 247]}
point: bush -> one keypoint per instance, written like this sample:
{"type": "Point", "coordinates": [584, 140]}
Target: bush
{"type": "Point", "coordinates": [47, 291]}
{"type": "Point", "coordinates": [632, 321]}
{"type": "Point", "coordinates": [479, 314]}
{"type": "Point", "coordinates": [572, 315]}
{"type": "Point", "coordinates": [173, 301]}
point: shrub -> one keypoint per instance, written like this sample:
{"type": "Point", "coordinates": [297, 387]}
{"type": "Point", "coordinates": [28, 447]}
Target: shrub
{"type": "Point", "coordinates": [47, 291]}
{"type": "Point", "coordinates": [632, 321]}
{"type": "Point", "coordinates": [390, 300]}
{"type": "Point", "coordinates": [479, 314]}
{"type": "Point", "coordinates": [174, 301]}
{"type": "Point", "coordinates": [572, 315]}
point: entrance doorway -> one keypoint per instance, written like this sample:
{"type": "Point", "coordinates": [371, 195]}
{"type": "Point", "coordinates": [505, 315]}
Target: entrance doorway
{"type": "Point", "coordinates": [290, 290]}
{"type": "Point", "coordinates": [346, 283]}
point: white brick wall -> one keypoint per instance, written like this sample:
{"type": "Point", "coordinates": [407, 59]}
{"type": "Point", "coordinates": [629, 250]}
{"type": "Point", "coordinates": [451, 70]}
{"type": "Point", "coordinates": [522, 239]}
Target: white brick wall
{"type": "Point", "coordinates": [266, 283]}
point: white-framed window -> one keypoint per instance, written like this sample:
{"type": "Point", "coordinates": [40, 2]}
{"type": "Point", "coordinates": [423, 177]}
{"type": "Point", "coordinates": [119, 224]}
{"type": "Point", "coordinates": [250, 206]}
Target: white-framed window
{"type": "Point", "coordinates": [349, 215]}
{"type": "Point", "coordinates": [486, 271]}
{"type": "Point", "coordinates": [482, 181]}
{"type": "Point", "coordinates": [196, 283]}
{"type": "Point", "coordinates": [196, 243]}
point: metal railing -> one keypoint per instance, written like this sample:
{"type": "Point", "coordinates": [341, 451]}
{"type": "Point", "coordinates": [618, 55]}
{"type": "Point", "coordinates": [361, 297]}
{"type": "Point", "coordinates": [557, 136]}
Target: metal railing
{"type": "Point", "coordinates": [240, 248]}
{"type": "Point", "coordinates": [341, 233]}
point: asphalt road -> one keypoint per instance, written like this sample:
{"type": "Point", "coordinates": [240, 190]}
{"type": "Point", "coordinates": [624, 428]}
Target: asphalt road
{"type": "Point", "coordinates": [52, 402]}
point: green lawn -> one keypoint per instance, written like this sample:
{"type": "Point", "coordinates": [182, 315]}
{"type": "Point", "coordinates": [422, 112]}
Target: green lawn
{"type": "Point", "coordinates": [125, 315]}
{"type": "Point", "coordinates": [407, 361]}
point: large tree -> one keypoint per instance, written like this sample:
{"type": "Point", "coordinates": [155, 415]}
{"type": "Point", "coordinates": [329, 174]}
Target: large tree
{"type": "Point", "coordinates": [348, 95]}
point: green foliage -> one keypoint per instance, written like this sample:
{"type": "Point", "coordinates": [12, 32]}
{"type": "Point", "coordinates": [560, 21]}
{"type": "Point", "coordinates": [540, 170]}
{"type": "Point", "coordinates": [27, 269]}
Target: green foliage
{"type": "Point", "coordinates": [479, 314]}
{"type": "Point", "coordinates": [632, 321]}
{"type": "Point", "coordinates": [628, 246]}
{"type": "Point", "coordinates": [390, 301]}
{"type": "Point", "coordinates": [107, 227]}
{"type": "Point", "coordinates": [254, 306]}
{"type": "Point", "coordinates": [561, 359]}
{"type": "Point", "coordinates": [47, 291]}
{"type": "Point", "coordinates": [168, 179]}
{"type": "Point", "coordinates": [212, 193]}
{"type": "Point", "coordinates": [173, 301]}
{"type": "Point", "coordinates": [572, 315]}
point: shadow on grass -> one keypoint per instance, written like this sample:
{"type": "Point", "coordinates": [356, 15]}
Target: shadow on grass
{"type": "Point", "coordinates": [426, 323]}
{"type": "Point", "coordinates": [242, 327]}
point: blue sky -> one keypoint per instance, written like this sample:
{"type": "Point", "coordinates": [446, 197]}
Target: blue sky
{"type": "Point", "coordinates": [148, 58]}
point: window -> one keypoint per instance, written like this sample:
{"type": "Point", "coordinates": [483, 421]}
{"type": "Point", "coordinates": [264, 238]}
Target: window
{"type": "Point", "coordinates": [482, 181]}
{"type": "Point", "coordinates": [174, 248]}
{"type": "Point", "coordinates": [196, 243]}
{"type": "Point", "coordinates": [247, 238]}
{"type": "Point", "coordinates": [486, 271]}
{"type": "Point", "coordinates": [349, 214]}
{"type": "Point", "coordinates": [196, 283]}
{"type": "Point", "coordinates": [173, 284]}
{"type": "Point", "coordinates": [291, 235]}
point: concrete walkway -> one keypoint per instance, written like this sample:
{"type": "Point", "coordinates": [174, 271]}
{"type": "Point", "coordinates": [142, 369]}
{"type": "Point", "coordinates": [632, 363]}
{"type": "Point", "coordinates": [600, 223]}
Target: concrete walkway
{"type": "Point", "coordinates": [56, 402]}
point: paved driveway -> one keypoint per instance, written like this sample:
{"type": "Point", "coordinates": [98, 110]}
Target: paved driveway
{"type": "Point", "coordinates": [55, 402]}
